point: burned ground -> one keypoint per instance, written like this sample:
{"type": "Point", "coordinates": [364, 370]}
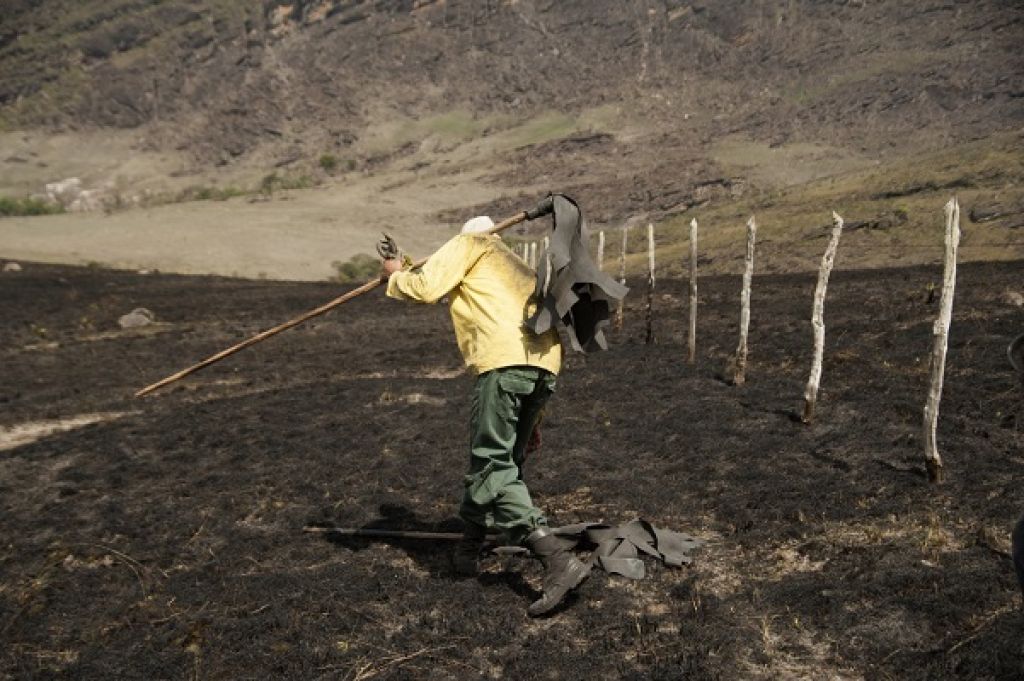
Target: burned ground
{"type": "Point", "coordinates": [165, 539]}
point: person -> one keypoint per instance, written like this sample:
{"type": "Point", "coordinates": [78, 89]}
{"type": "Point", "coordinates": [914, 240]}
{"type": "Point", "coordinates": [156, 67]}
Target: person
{"type": "Point", "coordinates": [490, 292]}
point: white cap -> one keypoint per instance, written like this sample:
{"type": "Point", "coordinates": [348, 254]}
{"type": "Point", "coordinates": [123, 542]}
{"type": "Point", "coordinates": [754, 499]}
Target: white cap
{"type": "Point", "coordinates": [481, 223]}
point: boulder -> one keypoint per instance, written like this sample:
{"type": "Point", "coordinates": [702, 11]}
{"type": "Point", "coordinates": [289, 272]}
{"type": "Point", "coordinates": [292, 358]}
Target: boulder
{"type": "Point", "coordinates": [87, 199]}
{"type": "Point", "coordinates": [1013, 298]}
{"type": "Point", "coordinates": [65, 191]}
{"type": "Point", "coordinates": [140, 316]}
{"type": "Point", "coordinates": [12, 267]}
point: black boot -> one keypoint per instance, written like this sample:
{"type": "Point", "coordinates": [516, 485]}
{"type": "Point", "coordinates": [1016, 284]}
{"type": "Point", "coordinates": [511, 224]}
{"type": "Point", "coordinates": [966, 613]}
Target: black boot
{"type": "Point", "coordinates": [466, 559]}
{"type": "Point", "coordinates": [563, 571]}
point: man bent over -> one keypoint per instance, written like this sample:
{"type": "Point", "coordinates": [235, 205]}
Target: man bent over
{"type": "Point", "coordinates": [490, 293]}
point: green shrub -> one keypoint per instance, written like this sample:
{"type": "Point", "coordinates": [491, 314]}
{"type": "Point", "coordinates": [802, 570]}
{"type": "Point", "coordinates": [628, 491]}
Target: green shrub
{"type": "Point", "coordinates": [360, 268]}
{"type": "Point", "coordinates": [203, 193]}
{"type": "Point", "coordinates": [296, 182]}
{"type": "Point", "coordinates": [329, 162]}
{"type": "Point", "coordinates": [273, 181]}
{"type": "Point", "coordinates": [268, 184]}
{"type": "Point", "coordinates": [10, 207]}
{"type": "Point", "coordinates": [228, 192]}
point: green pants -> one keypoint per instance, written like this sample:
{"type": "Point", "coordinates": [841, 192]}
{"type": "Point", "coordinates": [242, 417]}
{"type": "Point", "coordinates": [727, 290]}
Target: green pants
{"type": "Point", "coordinates": [506, 405]}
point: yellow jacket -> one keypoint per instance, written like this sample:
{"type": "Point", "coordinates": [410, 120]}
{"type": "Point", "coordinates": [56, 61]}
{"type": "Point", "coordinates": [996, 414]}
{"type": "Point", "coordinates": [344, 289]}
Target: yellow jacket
{"type": "Point", "coordinates": [490, 293]}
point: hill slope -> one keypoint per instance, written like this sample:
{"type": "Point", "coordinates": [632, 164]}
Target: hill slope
{"type": "Point", "coordinates": [643, 109]}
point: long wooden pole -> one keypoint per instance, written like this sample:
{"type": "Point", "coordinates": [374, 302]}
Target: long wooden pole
{"type": "Point", "coordinates": [387, 534]}
{"type": "Point", "coordinates": [327, 307]}
{"type": "Point", "coordinates": [940, 332]}
{"type": "Point", "coordinates": [818, 318]}
{"type": "Point", "coordinates": [263, 335]}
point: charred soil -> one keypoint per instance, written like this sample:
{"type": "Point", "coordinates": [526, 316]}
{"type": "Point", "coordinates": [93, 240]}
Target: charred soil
{"type": "Point", "coordinates": [164, 539]}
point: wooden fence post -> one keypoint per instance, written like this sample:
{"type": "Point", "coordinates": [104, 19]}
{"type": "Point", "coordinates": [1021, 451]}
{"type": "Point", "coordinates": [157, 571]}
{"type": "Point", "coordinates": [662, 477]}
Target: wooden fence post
{"type": "Point", "coordinates": [533, 255]}
{"type": "Point", "coordinates": [620, 311]}
{"type": "Point", "coordinates": [740, 361]}
{"type": "Point", "coordinates": [600, 250]}
{"type": "Point", "coordinates": [547, 263]}
{"type": "Point", "coordinates": [818, 318]}
{"type": "Point", "coordinates": [649, 338]}
{"type": "Point", "coordinates": [691, 356]}
{"type": "Point", "coordinates": [940, 333]}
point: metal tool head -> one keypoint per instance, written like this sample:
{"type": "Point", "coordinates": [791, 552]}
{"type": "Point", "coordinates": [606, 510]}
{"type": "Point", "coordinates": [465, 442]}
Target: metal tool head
{"type": "Point", "coordinates": [387, 248]}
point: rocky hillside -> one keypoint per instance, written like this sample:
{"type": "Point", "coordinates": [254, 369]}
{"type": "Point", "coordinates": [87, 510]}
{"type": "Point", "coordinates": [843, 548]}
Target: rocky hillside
{"type": "Point", "coordinates": [643, 107]}
{"type": "Point", "coordinates": [225, 77]}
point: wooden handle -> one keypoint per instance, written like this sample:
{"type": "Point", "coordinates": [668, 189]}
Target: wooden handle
{"type": "Point", "coordinates": [263, 335]}
{"type": "Point", "coordinates": [368, 286]}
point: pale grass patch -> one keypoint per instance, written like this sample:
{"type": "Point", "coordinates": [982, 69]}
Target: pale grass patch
{"type": "Point", "coordinates": [41, 347]}
{"type": "Point", "coordinates": [388, 397]}
{"type": "Point", "coordinates": [29, 432]}
{"type": "Point", "coordinates": [254, 519]}
{"type": "Point", "coordinates": [930, 534]}
{"type": "Point", "coordinates": [421, 398]}
{"type": "Point", "coordinates": [719, 574]}
{"type": "Point", "coordinates": [576, 501]}
{"type": "Point", "coordinates": [71, 562]}
{"type": "Point", "coordinates": [429, 373]}
{"type": "Point", "coordinates": [789, 561]}
{"type": "Point", "coordinates": [151, 329]}
{"type": "Point", "coordinates": [60, 658]}
{"type": "Point", "coordinates": [812, 651]}
{"type": "Point", "coordinates": [845, 355]}
{"type": "Point", "coordinates": [402, 561]}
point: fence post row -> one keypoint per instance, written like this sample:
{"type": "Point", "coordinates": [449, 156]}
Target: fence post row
{"type": "Point", "coordinates": [818, 318]}
{"type": "Point", "coordinates": [940, 333]}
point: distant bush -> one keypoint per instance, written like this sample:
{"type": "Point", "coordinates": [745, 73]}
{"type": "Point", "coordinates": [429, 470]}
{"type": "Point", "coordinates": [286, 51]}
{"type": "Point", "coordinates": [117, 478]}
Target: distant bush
{"type": "Point", "coordinates": [360, 268]}
{"type": "Point", "coordinates": [203, 193]}
{"type": "Point", "coordinates": [121, 37]}
{"type": "Point", "coordinates": [99, 45]}
{"type": "Point", "coordinates": [329, 162]}
{"type": "Point", "coordinates": [273, 182]}
{"type": "Point", "coordinates": [28, 206]}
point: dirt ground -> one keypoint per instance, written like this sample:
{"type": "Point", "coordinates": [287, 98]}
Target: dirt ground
{"type": "Point", "coordinates": [162, 538]}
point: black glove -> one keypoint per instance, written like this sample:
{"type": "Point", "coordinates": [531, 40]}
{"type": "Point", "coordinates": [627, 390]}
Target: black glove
{"type": "Point", "coordinates": [545, 207]}
{"type": "Point", "coordinates": [387, 249]}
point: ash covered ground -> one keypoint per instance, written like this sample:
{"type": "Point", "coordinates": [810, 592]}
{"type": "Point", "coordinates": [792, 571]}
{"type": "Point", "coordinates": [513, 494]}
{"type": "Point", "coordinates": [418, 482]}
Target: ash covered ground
{"type": "Point", "coordinates": [165, 538]}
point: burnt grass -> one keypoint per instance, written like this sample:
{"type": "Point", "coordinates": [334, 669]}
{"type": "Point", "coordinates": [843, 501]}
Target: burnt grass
{"type": "Point", "coordinates": [167, 542]}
